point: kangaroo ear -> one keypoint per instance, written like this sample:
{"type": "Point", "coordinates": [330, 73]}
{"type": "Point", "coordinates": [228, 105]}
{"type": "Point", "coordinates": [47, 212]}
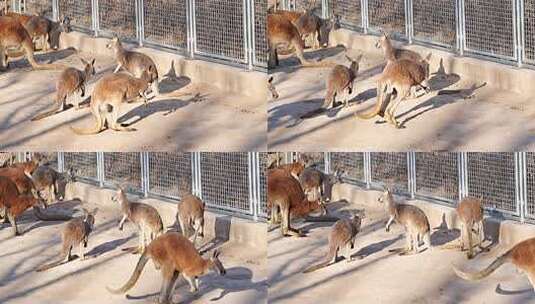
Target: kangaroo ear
{"type": "Point", "coordinates": [93, 61]}
{"type": "Point", "coordinates": [215, 254]}
{"type": "Point", "coordinates": [83, 61]}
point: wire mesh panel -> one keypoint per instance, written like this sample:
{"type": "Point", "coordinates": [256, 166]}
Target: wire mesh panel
{"type": "Point", "coordinates": [349, 13]}
{"type": "Point", "coordinates": [78, 11]}
{"type": "Point", "coordinates": [529, 31]}
{"type": "Point", "coordinates": [165, 22]}
{"type": "Point", "coordinates": [351, 163]}
{"type": "Point", "coordinates": [489, 27]}
{"type": "Point", "coordinates": [168, 172]}
{"type": "Point", "coordinates": [437, 175]}
{"type": "Point", "coordinates": [260, 18]}
{"type": "Point", "coordinates": [434, 21]}
{"type": "Point", "coordinates": [530, 181]}
{"type": "Point", "coordinates": [123, 169]}
{"type": "Point", "coordinates": [225, 181]}
{"type": "Point", "coordinates": [83, 163]}
{"type": "Point", "coordinates": [315, 159]}
{"type": "Point", "coordinates": [305, 5]}
{"type": "Point", "coordinates": [390, 170]}
{"type": "Point", "coordinates": [387, 15]}
{"type": "Point", "coordinates": [41, 7]}
{"type": "Point", "coordinates": [491, 176]}
{"type": "Point", "coordinates": [118, 17]}
{"type": "Point", "coordinates": [220, 29]}
{"type": "Point", "coordinates": [263, 184]}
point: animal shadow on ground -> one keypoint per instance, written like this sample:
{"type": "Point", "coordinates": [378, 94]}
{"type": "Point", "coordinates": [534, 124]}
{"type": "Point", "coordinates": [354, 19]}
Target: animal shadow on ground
{"type": "Point", "coordinates": [166, 106]}
{"type": "Point", "coordinates": [108, 246]}
{"type": "Point", "coordinates": [504, 292]}
{"type": "Point", "coordinates": [63, 208]}
{"type": "Point", "coordinates": [375, 247]}
{"type": "Point", "coordinates": [334, 214]}
{"type": "Point", "coordinates": [18, 60]}
{"type": "Point", "coordinates": [290, 63]}
{"type": "Point", "coordinates": [222, 235]}
{"type": "Point", "coordinates": [171, 82]}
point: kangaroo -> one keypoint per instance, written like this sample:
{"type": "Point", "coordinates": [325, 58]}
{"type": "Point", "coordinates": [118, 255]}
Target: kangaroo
{"type": "Point", "coordinates": [175, 255]}
{"type": "Point", "coordinates": [14, 35]}
{"type": "Point", "coordinates": [521, 255]}
{"type": "Point", "coordinates": [135, 63]}
{"type": "Point", "coordinates": [22, 179]}
{"type": "Point", "coordinates": [315, 182]}
{"type": "Point", "coordinates": [75, 232]}
{"type": "Point", "coordinates": [309, 24]}
{"type": "Point", "coordinates": [285, 194]}
{"type": "Point", "coordinates": [68, 84]}
{"type": "Point", "coordinates": [48, 30]}
{"type": "Point", "coordinates": [401, 76]}
{"type": "Point", "coordinates": [144, 216]}
{"type": "Point", "coordinates": [272, 89]}
{"type": "Point", "coordinates": [412, 218]}
{"type": "Point", "coordinates": [190, 215]}
{"type": "Point", "coordinates": [342, 236]}
{"type": "Point", "coordinates": [340, 81]}
{"type": "Point", "coordinates": [45, 178]}
{"type": "Point", "coordinates": [470, 212]}
{"type": "Point", "coordinates": [110, 92]}
{"type": "Point", "coordinates": [391, 53]}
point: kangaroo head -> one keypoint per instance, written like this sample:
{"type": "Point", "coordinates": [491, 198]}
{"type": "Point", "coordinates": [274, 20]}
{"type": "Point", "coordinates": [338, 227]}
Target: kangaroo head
{"type": "Point", "coordinates": [89, 217]}
{"type": "Point", "coordinates": [117, 198]}
{"type": "Point", "coordinates": [336, 176]}
{"type": "Point", "coordinates": [215, 263]}
{"type": "Point", "coordinates": [383, 41]}
{"type": "Point", "coordinates": [355, 63]}
{"type": "Point", "coordinates": [89, 67]}
{"type": "Point", "coordinates": [386, 194]}
{"type": "Point", "coordinates": [114, 43]}
{"type": "Point", "coordinates": [64, 24]}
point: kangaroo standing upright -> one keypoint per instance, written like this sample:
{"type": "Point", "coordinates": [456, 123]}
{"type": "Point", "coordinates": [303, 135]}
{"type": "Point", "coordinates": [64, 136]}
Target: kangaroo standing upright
{"type": "Point", "coordinates": [470, 212]}
{"type": "Point", "coordinates": [75, 232]}
{"type": "Point", "coordinates": [145, 217]}
{"type": "Point", "coordinates": [340, 81]}
{"type": "Point", "coordinates": [175, 255]}
{"type": "Point", "coordinates": [70, 82]}
{"type": "Point", "coordinates": [316, 182]}
{"type": "Point", "coordinates": [413, 220]}
{"type": "Point", "coordinates": [190, 215]}
{"type": "Point", "coordinates": [342, 236]}
{"type": "Point", "coordinates": [46, 178]}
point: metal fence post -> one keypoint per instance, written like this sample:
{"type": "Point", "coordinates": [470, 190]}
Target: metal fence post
{"type": "Point", "coordinates": [61, 161]}
{"type": "Point", "coordinates": [364, 13]}
{"type": "Point", "coordinates": [95, 17]}
{"type": "Point", "coordinates": [325, 9]}
{"type": "Point", "coordinates": [411, 173]}
{"type": "Point", "coordinates": [461, 29]}
{"type": "Point", "coordinates": [408, 20]}
{"type": "Point", "coordinates": [196, 174]}
{"type": "Point", "coordinates": [254, 184]}
{"type": "Point", "coordinates": [192, 33]}
{"type": "Point", "coordinates": [327, 162]}
{"type": "Point", "coordinates": [144, 162]}
{"type": "Point", "coordinates": [520, 184]}
{"type": "Point", "coordinates": [55, 10]}
{"type": "Point", "coordinates": [248, 28]}
{"type": "Point", "coordinates": [463, 174]}
{"type": "Point", "coordinates": [100, 169]}
{"type": "Point", "coordinates": [519, 31]}
{"type": "Point", "coordinates": [140, 21]}
{"type": "Point", "coordinates": [367, 169]}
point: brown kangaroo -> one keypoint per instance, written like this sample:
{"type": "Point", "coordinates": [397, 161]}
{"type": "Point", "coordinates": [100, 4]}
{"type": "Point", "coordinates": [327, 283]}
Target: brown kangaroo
{"type": "Point", "coordinates": [315, 182]}
{"type": "Point", "coordinates": [47, 30]}
{"type": "Point", "coordinates": [522, 255]}
{"type": "Point", "coordinates": [340, 81]}
{"type": "Point", "coordinates": [75, 232]}
{"type": "Point", "coordinates": [342, 235]}
{"type": "Point", "coordinates": [190, 215]}
{"type": "Point", "coordinates": [175, 255]}
{"type": "Point", "coordinates": [470, 212]}
{"type": "Point", "coordinates": [46, 178]}
{"type": "Point", "coordinates": [413, 220]}
{"type": "Point", "coordinates": [68, 84]}
{"type": "Point", "coordinates": [22, 179]}
{"type": "Point", "coordinates": [110, 92]}
{"type": "Point", "coordinates": [14, 35]}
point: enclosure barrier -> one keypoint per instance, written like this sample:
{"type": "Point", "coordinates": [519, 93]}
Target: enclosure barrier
{"type": "Point", "coordinates": [232, 32]}
{"type": "Point", "coordinates": [232, 183]}
{"type": "Point", "coordinates": [505, 181]}
{"type": "Point", "coordinates": [496, 30]}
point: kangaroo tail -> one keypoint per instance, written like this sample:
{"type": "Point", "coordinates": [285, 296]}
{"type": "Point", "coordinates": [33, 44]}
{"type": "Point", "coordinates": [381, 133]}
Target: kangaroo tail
{"type": "Point", "coordinates": [135, 276]}
{"type": "Point", "coordinates": [28, 47]}
{"type": "Point", "coordinates": [64, 254]}
{"type": "Point", "coordinates": [90, 131]}
{"type": "Point", "coordinates": [378, 106]}
{"type": "Point", "coordinates": [485, 272]}
{"type": "Point", "coordinates": [44, 115]}
{"type": "Point", "coordinates": [330, 257]}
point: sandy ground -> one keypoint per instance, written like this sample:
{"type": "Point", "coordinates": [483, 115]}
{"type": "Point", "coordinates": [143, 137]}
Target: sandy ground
{"type": "Point", "coordinates": [490, 121]}
{"type": "Point", "coordinates": [381, 276]}
{"type": "Point", "coordinates": [187, 116]}
{"type": "Point", "coordinates": [107, 265]}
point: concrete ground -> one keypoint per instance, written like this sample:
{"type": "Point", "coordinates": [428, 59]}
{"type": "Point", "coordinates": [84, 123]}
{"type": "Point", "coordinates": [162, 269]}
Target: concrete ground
{"type": "Point", "coordinates": [107, 265]}
{"type": "Point", "coordinates": [187, 116]}
{"type": "Point", "coordinates": [381, 276]}
{"type": "Point", "coordinates": [493, 120]}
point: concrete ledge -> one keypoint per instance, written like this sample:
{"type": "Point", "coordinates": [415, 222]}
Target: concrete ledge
{"type": "Point", "coordinates": [499, 76]}
{"type": "Point", "coordinates": [221, 226]}
{"type": "Point", "coordinates": [229, 79]}
{"type": "Point", "coordinates": [506, 232]}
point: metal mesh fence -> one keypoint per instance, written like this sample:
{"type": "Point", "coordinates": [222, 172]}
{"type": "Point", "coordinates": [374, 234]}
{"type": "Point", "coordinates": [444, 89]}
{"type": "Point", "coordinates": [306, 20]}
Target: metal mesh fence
{"type": "Point", "coordinates": [348, 12]}
{"type": "Point", "coordinates": [491, 176]}
{"type": "Point", "coordinates": [83, 163]}
{"type": "Point", "coordinates": [219, 28]}
{"type": "Point", "coordinates": [123, 169]}
{"type": "Point", "coordinates": [315, 159]}
{"type": "Point", "coordinates": [260, 28]}
{"type": "Point", "coordinates": [304, 5]}
{"type": "Point", "coordinates": [169, 173]}
{"type": "Point", "coordinates": [351, 163]}
{"type": "Point", "coordinates": [78, 11]}
{"type": "Point", "coordinates": [437, 175]}
{"type": "Point", "coordinates": [390, 170]}
{"type": "Point", "coordinates": [434, 21]}
{"type": "Point", "coordinates": [118, 17]}
{"type": "Point", "coordinates": [489, 27]}
{"type": "Point", "coordinates": [387, 15]}
{"type": "Point", "coordinates": [225, 181]}
{"type": "Point", "coordinates": [529, 30]}
{"type": "Point", "coordinates": [530, 183]}
{"type": "Point", "coordinates": [263, 184]}
{"type": "Point", "coordinates": [165, 22]}
{"type": "Point", "coordinates": [41, 7]}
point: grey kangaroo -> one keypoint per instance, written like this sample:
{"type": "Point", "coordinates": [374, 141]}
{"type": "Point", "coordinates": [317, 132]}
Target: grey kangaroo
{"type": "Point", "coordinates": [340, 81]}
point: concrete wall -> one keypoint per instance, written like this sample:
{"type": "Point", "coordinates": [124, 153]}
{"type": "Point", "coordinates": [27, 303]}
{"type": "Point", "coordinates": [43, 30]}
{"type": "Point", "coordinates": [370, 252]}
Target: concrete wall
{"type": "Point", "coordinates": [499, 76]}
{"type": "Point", "coordinates": [507, 232]}
{"type": "Point", "coordinates": [229, 79]}
{"type": "Point", "coordinates": [221, 226]}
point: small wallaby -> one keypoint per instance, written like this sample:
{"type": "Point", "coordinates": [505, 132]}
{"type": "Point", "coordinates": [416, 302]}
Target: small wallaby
{"type": "Point", "coordinates": [135, 63]}
{"type": "Point", "coordinates": [315, 182]}
{"type": "Point", "coordinates": [272, 89]}
{"type": "Point", "coordinates": [190, 215]}
{"type": "Point", "coordinates": [521, 255]}
{"type": "Point", "coordinates": [470, 212]}
{"type": "Point", "coordinates": [286, 195]}
{"type": "Point", "coordinates": [44, 28]}
{"type": "Point", "coordinates": [401, 76]}
{"type": "Point", "coordinates": [175, 255]}
{"type": "Point", "coordinates": [75, 232]}
{"type": "Point", "coordinates": [46, 178]}
{"type": "Point", "coordinates": [413, 220]}
{"type": "Point", "coordinates": [70, 82]}
{"type": "Point", "coordinates": [145, 217]}
{"type": "Point", "coordinates": [342, 236]}
{"type": "Point", "coordinates": [110, 92]}
{"type": "Point", "coordinates": [340, 81]}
